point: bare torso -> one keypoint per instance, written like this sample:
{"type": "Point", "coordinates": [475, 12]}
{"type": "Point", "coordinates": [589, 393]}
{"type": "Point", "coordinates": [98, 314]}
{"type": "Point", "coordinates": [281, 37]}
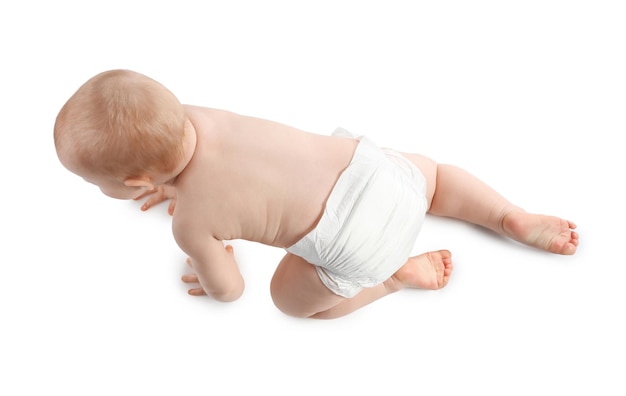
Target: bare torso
{"type": "Point", "coordinates": [257, 180]}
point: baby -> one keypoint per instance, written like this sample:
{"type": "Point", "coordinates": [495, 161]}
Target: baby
{"type": "Point", "coordinates": [346, 211]}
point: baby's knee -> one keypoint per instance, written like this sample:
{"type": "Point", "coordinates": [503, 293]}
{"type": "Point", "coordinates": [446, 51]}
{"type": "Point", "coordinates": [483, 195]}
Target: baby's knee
{"type": "Point", "coordinates": [282, 293]}
{"type": "Point", "coordinates": [284, 301]}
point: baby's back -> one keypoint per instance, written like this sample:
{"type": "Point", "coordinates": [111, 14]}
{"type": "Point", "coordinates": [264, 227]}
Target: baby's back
{"type": "Point", "coordinates": [256, 179]}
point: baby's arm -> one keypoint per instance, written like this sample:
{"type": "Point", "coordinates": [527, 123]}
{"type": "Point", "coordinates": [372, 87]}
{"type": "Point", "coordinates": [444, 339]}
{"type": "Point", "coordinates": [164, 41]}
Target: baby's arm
{"type": "Point", "coordinates": [215, 268]}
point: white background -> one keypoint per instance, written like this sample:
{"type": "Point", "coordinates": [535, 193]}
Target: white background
{"type": "Point", "coordinates": [530, 96]}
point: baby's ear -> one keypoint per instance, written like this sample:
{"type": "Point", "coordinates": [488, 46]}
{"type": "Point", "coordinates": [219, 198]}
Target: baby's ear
{"type": "Point", "coordinates": [141, 181]}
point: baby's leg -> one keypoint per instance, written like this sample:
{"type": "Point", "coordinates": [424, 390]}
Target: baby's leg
{"type": "Point", "coordinates": [453, 192]}
{"type": "Point", "coordinates": [298, 291]}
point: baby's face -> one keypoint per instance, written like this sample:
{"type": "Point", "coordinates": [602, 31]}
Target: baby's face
{"type": "Point", "coordinates": [110, 186]}
{"type": "Point", "coordinates": [116, 189]}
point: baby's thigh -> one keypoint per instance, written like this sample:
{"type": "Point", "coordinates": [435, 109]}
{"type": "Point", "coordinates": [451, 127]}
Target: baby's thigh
{"type": "Point", "coordinates": [428, 167]}
{"type": "Point", "coordinates": [297, 289]}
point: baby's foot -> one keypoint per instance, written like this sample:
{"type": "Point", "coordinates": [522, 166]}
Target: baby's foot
{"type": "Point", "coordinates": [549, 233]}
{"type": "Point", "coordinates": [427, 271]}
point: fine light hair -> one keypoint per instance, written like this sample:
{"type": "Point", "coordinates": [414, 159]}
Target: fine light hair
{"type": "Point", "coordinates": [122, 124]}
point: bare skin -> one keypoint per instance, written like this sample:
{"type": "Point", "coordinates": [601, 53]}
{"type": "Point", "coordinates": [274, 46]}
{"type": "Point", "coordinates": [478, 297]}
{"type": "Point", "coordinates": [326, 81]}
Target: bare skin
{"type": "Point", "coordinates": [548, 233]}
{"type": "Point", "coordinates": [427, 271]}
{"type": "Point", "coordinates": [257, 180]}
{"type": "Point", "coordinates": [299, 180]}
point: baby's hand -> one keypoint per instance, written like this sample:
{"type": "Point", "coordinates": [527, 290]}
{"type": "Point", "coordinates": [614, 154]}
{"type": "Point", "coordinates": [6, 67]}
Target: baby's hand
{"type": "Point", "coordinates": [193, 278]}
{"type": "Point", "coordinates": [158, 195]}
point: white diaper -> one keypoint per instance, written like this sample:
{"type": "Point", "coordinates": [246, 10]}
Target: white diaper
{"type": "Point", "coordinates": [370, 221]}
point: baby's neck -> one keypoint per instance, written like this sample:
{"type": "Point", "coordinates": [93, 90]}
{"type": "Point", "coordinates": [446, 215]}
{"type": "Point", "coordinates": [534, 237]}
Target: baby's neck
{"type": "Point", "coordinates": [189, 148]}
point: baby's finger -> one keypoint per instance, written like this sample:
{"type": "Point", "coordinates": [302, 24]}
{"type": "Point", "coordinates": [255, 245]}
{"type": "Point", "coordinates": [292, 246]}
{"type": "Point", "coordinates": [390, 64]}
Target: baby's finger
{"type": "Point", "coordinates": [172, 206]}
{"type": "Point", "coordinates": [145, 194]}
{"type": "Point", "coordinates": [190, 278]}
{"type": "Point", "coordinates": [196, 292]}
{"type": "Point", "coordinates": [152, 201]}
{"type": "Point", "coordinates": [188, 261]}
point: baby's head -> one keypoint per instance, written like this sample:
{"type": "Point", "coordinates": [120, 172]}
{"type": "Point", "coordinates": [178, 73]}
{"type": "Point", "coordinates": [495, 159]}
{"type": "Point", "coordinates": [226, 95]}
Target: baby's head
{"type": "Point", "coordinates": [121, 128]}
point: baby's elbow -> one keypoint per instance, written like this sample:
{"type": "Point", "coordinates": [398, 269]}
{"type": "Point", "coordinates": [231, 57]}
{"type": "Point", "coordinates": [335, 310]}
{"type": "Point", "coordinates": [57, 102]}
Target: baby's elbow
{"type": "Point", "coordinates": [229, 295]}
